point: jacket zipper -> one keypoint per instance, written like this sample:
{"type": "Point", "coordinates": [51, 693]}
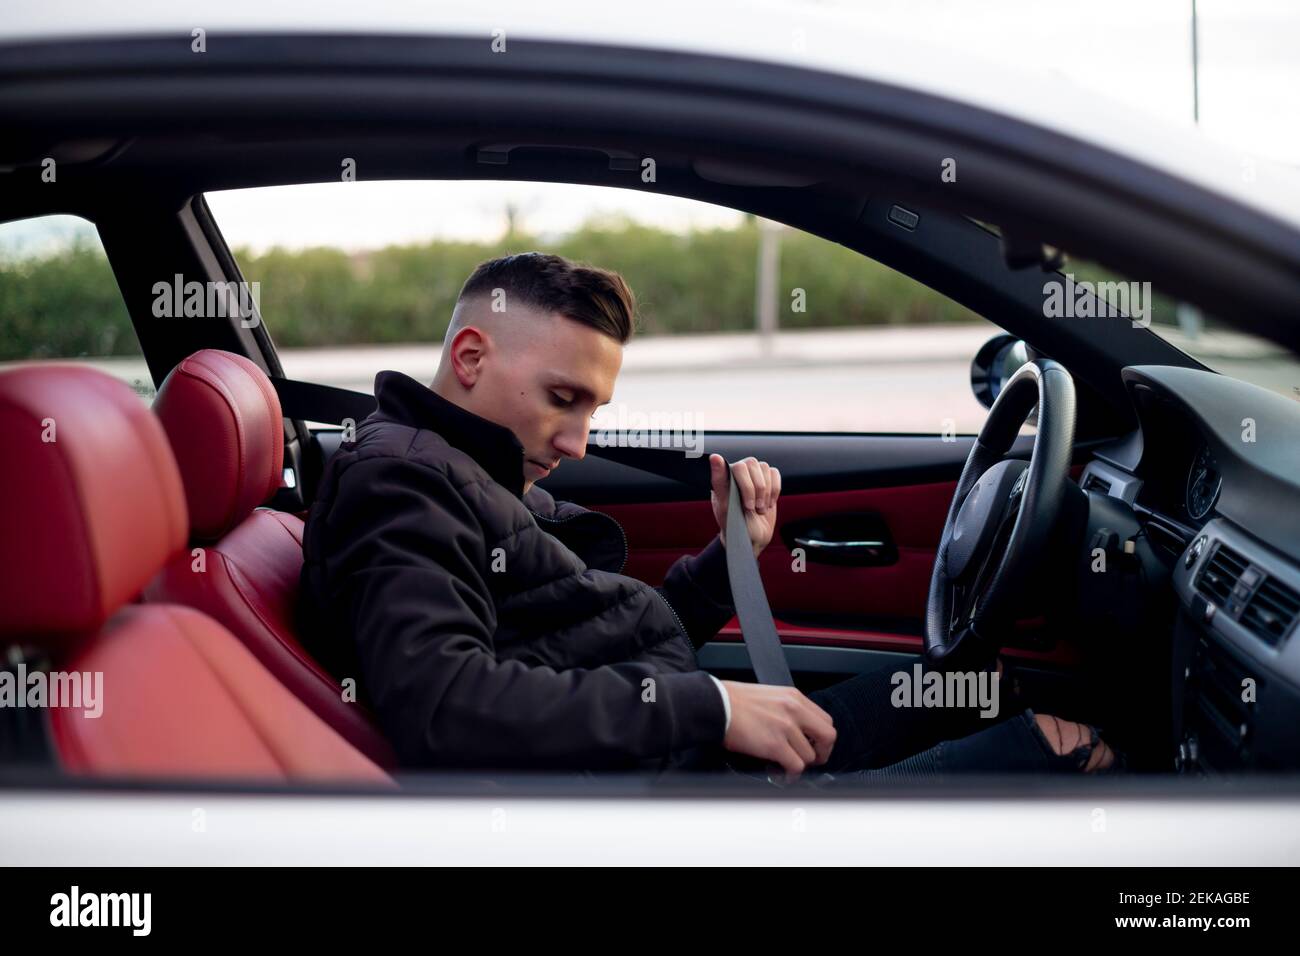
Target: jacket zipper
{"type": "Point", "coordinates": [621, 533]}
{"type": "Point", "coordinates": [673, 611]}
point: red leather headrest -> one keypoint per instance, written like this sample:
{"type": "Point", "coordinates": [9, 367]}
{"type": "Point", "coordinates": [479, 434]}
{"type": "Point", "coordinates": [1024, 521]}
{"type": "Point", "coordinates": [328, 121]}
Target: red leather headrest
{"type": "Point", "coordinates": [91, 500]}
{"type": "Point", "coordinates": [223, 418]}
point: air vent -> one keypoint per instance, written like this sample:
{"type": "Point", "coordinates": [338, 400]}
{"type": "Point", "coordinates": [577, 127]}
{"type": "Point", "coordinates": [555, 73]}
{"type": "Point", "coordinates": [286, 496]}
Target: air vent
{"type": "Point", "coordinates": [1167, 536]}
{"type": "Point", "coordinates": [1095, 482]}
{"type": "Point", "coordinates": [1271, 611]}
{"type": "Point", "coordinates": [1221, 574]}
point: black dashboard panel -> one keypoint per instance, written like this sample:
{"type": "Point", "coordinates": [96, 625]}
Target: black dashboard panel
{"type": "Point", "coordinates": [1240, 679]}
{"type": "Point", "coordinates": [1253, 434]}
{"type": "Point", "coordinates": [1170, 467]}
{"type": "Point", "coordinates": [1234, 553]}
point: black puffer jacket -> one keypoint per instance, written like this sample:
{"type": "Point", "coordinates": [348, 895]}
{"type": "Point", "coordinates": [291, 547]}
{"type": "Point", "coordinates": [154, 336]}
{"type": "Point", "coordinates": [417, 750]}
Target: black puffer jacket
{"type": "Point", "coordinates": [493, 629]}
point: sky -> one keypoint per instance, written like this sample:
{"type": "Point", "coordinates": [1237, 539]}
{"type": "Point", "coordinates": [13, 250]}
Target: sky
{"type": "Point", "coordinates": [1135, 52]}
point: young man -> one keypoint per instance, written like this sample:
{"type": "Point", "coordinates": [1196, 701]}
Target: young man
{"type": "Point", "coordinates": [490, 626]}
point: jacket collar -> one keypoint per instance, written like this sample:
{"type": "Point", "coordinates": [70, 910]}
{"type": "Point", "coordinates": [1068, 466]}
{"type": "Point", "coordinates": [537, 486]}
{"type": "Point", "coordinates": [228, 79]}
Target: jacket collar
{"type": "Point", "coordinates": [495, 447]}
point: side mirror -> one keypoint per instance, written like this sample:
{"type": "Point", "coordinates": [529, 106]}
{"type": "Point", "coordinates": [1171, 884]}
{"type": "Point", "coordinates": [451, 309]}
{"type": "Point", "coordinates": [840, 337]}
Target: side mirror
{"type": "Point", "coordinates": [995, 362]}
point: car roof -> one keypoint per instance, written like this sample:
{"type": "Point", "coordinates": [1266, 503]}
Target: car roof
{"type": "Point", "coordinates": [823, 40]}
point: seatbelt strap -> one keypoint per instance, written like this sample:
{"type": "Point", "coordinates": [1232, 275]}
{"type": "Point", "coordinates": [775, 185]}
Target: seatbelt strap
{"type": "Point", "coordinates": [766, 655]}
{"type": "Point", "coordinates": [309, 402]}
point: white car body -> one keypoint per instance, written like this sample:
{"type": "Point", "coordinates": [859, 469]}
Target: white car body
{"type": "Point", "coordinates": [1115, 826]}
{"type": "Point", "coordinates": [783, 34]}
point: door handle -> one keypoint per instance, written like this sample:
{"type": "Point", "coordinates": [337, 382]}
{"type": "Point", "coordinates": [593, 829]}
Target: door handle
{"type": "Point", "coordinates": [859, 539]}
{"type": "Point", "coordinates": [818, 543]}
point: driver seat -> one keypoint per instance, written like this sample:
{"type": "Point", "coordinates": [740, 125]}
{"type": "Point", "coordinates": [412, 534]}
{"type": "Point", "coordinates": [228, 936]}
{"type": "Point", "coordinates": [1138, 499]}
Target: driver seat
{"type": "Point", "coordinates": [223, 420]}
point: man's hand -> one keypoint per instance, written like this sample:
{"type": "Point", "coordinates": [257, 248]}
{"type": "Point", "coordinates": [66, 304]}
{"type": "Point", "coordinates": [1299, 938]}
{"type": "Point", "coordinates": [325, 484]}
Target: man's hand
{"type": "Point", "coordinates": [778, 724]}
{"type": "Point", "coordinates": [760, 486]}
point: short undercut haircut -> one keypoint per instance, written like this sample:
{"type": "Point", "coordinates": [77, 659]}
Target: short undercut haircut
{"type": "Point", "coordinates": [549, 283]}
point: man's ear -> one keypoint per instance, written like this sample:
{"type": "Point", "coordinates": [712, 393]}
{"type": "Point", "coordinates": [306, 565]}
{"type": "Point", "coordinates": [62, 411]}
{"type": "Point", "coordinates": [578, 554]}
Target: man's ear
{"type": "Point", "coordinates": [468, 348]}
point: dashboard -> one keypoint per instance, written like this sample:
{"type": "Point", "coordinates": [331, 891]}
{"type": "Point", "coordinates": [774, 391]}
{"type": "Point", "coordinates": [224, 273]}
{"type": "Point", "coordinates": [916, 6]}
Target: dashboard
{"type": "Point", "coordinates": [1204, 482]}
{"type": "Point", "coordinates": [1212, 477]}
{"type": "Point", "coordinates": [1176, 483]}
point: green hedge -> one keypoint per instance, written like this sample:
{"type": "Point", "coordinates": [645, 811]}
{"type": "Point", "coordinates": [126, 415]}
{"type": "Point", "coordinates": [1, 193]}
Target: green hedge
{"type": "Point", "coordinates": [63, 306]}
{"type": "Point", "coordinates": [699, 281]}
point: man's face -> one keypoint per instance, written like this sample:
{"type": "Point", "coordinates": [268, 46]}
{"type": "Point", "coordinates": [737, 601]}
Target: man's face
{"type": "Point", "coordinates": [542, 376]}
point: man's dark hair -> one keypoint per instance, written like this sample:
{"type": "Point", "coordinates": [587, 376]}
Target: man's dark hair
{"type": "Point", "coordinates": [595, 297]}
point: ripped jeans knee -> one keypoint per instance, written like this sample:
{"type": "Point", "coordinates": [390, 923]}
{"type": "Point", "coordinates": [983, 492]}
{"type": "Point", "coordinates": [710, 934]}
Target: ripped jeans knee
{"type": "Point", "coordinates": [1072, 746]}
{"type": "Point", "coordinates": [1025, 743]}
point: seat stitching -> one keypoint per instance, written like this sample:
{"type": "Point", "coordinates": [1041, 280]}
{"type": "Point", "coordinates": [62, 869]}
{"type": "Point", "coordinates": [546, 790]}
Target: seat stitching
{"type": "Point", "coordinates": [233, 509]}
{"type": "Point", "coordinates": [97, 595]}
{"type": "Point", "coordinates": [240, 580]}
{"type": "Point", "coordinates": [197, 647]}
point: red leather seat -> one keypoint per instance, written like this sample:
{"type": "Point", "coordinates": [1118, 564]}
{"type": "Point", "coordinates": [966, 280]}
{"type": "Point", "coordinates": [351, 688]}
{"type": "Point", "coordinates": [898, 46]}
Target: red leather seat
{"type": "Point", "coordinates": [223, 418]}
{"type": "Point", "coordinates": [93, 508]}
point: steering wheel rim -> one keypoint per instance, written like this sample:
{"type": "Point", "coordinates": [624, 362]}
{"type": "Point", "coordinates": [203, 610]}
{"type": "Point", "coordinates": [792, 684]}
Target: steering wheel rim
{"type": "Point", "coordinates": [1002, 512]}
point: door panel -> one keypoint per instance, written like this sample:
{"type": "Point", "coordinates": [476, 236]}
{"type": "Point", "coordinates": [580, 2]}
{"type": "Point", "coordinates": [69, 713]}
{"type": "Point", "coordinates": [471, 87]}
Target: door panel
{"type": "Point", "coordinates": [808, 463]}
{"type": "Point", "coordinates": [658, 534]}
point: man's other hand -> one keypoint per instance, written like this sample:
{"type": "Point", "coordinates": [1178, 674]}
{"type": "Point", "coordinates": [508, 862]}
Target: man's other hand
{"type": "Point", "coordinates": [778, 724]}
{"type": "Point", "coordinates": [760, 486]}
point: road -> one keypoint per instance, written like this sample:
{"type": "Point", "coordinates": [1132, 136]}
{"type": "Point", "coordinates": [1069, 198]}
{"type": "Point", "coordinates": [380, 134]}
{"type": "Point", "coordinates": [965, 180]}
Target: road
{"type": "Point", "coordinates": [914, 379]}
{"type": "Point", "coordinates": [893, 380]}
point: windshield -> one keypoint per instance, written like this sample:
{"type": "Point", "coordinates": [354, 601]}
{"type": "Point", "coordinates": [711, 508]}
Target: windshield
{"type": "Point", "coordinates": [1210, 340]}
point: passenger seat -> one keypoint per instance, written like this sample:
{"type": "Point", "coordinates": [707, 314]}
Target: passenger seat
{"type": "Point", "coordinates": [92, 510]}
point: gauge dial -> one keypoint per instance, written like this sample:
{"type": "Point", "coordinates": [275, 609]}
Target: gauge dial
{"type": "Point", "coordinates": [1203, 483]}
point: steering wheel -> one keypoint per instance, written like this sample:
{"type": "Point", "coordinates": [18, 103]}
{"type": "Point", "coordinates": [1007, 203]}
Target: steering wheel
{"type": "Point", "coordinates": [1003, 511]}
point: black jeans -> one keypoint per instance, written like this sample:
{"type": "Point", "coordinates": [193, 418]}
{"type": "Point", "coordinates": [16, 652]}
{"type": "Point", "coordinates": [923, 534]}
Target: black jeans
{"type": "Point", "coordinates": [875, 738]}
